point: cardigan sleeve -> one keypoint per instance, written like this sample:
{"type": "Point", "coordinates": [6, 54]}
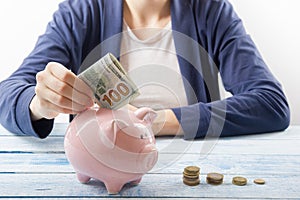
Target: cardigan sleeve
{"type": "Point", "coordinates": [257, 104]}
{"type": "Point", "coordinates": [63, 42]}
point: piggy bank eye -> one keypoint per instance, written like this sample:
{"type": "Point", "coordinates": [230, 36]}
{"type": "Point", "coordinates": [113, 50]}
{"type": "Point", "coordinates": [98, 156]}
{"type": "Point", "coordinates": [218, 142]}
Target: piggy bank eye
{"type": "Point", "coordinates": [138, 131]}
{"type": "Point", "coordinates": [145, 134]}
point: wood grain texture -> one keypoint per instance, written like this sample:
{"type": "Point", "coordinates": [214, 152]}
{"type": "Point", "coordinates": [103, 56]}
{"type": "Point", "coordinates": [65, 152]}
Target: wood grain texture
{"type": "Point", "coordinates": [152, 185]}
{"type": "Point", "coordinates": [35, 168]}
{"type": "Point", "coordinates": [226, 164]}
{"type": "Point", "coordinates": [168, 145]}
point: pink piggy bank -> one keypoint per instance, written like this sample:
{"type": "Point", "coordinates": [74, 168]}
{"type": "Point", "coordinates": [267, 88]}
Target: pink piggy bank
{"type": "Point", "coordinates": [115, 147]}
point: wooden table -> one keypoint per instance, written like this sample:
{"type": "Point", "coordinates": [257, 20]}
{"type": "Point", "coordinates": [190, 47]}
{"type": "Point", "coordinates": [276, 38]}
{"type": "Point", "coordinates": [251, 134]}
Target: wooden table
{"type": "Point", "coordinates": [34, 168]}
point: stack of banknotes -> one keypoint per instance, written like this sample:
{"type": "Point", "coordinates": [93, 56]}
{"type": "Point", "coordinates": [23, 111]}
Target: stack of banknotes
{"type": "Point", "coordinates": [111, 85]}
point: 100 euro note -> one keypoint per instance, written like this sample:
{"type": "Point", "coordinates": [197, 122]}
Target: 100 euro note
{"type": "Point", "coordinates": [112, 87]}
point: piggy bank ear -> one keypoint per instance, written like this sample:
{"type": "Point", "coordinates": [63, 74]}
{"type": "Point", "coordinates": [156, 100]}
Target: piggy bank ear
{"type": "Point", "coordinates": [146, 114]}
{"type": "Point", "coordinates": [110, 130]}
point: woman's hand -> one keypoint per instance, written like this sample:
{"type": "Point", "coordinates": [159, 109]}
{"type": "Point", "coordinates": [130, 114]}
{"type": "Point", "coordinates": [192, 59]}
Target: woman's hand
{"type": "Point", "coordinates": [58, 90]}
{"type": "Point", "coordinates": [166, 124]}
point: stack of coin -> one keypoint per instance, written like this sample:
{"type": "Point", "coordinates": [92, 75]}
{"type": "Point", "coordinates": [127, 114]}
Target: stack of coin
{"type": "Point", "coordinates": [238, 180]}
{"type": "Point", "coordinates": [191, 175]}
{"type": "Point", "coordinates": [214, 178]}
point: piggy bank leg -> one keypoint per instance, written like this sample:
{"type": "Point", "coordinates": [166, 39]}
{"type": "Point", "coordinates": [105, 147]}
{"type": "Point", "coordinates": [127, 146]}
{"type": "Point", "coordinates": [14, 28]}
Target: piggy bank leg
{"type": "Point", "coordinates": [113, 187]}
{"type": "Point", "coordinates": [82, 178]}
{"type": "Point", "coordinates": [136, 182]}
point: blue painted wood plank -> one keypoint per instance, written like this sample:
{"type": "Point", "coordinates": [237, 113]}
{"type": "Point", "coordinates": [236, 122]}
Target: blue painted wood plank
{"type": "Point", "coordinates": [31, 167]}
{"type": "Point", "coordinates": [177, 146]}
{"type": "Point", "coordinates": [163, 185]}
{"type": "Point", "coordinates": [227, 164]}
{"type": "Point", "coordinates": [31, 144]}
{"type": "Point", "coordinates": [131, 198]}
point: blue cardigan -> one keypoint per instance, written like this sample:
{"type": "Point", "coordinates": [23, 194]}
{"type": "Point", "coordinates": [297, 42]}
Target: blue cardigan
{"type": "Point", "coordinates": [209, 39]}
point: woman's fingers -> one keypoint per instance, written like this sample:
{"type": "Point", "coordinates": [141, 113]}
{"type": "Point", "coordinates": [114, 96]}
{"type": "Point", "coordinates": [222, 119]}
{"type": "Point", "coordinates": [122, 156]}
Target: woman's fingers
{"type": "Point", "coordinates": [66, 76]}
{"type": "Point", "coordinates": [58, 90]}
{"type": "Point", "coordinates": [67, 91]}
{"type": "Point", "coordinates": [58, 102]}
{"type": "Point", "coordinates": [64, 83]}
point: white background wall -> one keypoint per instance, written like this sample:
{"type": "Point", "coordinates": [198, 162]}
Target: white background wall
{"type": "Point", "coordinates": [273, 24]}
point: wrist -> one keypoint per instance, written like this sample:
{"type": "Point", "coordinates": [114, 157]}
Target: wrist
{"type": "Point", "coordinates": [34, 114]}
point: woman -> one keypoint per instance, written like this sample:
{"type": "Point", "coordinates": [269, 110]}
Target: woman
{"type": "Point", "coordinates": [44, 86]}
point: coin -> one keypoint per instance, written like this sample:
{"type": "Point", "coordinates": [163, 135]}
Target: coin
{"type": "Point", "coordinates": [191, 182]}
{"type": "Point", "coordinates": [214, 178]}
{"type": "Point", "coordinates": [191, 175]}
{"type": "Point", "coordinates": [238, 180]}
{"type": "Point", "coordinates": [190, 170]}
{"type": "Point", "coordinates": [259, 181]}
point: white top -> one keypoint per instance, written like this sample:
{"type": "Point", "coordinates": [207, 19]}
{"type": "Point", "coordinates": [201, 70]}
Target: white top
{"type": "Point", "coordinates": [153, 66]}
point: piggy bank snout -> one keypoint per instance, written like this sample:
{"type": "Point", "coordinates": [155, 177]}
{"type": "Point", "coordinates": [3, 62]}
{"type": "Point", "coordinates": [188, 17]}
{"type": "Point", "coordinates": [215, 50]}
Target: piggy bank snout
{"type": "Point", "coordinates": [148, 157]}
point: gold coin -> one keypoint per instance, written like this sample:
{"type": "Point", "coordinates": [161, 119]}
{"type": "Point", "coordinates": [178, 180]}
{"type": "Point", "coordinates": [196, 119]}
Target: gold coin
{"type": "Point", "coordinates": [195, 176]}
{"type": "Point", "coordinates": [238, 180]}
{"type": "Point", "coordinates": [191, 170]}
{"type": "Point", "coordinates": [190, 179]}
{"type": "Point", "coordinates": [259, 181]}
{"type": "Point", "coordinates": [214, 178]}
{"type": "Point", "coordinates": [214, 182]}
{"type": "Point", "coordinates": [191, 182]}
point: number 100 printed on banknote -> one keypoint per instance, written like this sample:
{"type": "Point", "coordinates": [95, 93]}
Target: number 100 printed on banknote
{"type": "Point", "coordinates": [109, 82]}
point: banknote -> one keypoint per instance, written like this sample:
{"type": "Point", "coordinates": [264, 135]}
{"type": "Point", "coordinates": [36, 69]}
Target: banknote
{"type": "Point", "coordinates": [111, 85]}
